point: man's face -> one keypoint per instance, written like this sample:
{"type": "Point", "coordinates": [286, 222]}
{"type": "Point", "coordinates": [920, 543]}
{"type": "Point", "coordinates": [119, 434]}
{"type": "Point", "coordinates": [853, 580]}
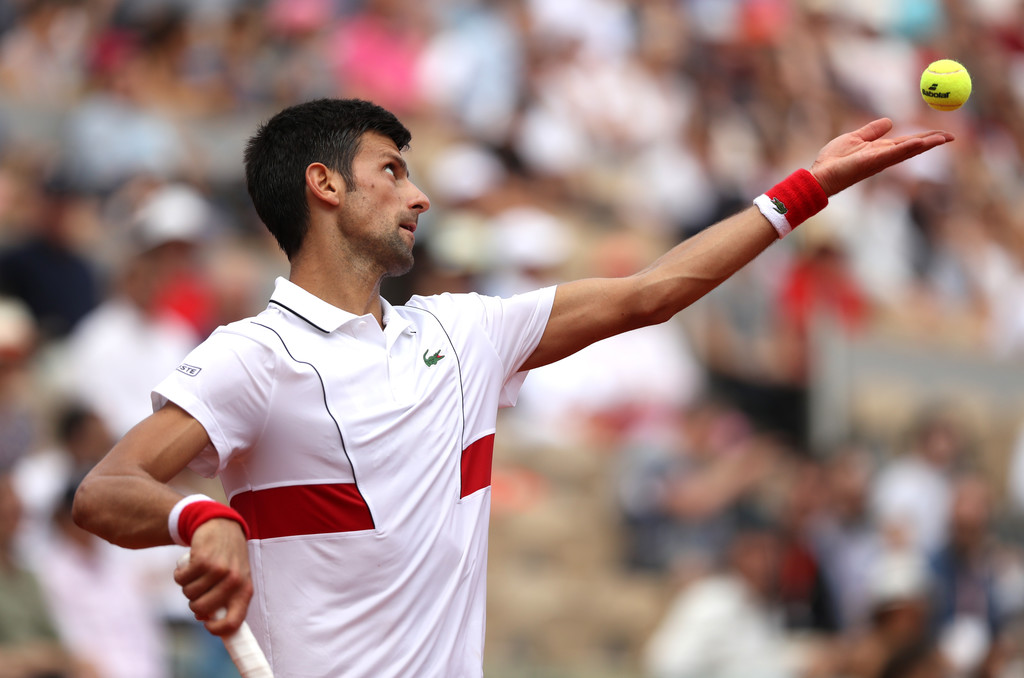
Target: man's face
{"type": "Point", "coordinates": [382, 207]}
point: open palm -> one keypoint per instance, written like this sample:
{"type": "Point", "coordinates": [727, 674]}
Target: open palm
{"type": "Point", "coordinates": [857, 155]}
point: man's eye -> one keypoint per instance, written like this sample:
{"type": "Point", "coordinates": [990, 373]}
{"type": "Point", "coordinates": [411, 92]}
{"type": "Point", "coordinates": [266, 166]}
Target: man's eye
{"type": "Point", "coordinates": [390, 169]}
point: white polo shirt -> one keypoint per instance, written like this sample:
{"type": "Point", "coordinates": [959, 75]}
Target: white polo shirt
{"type": "Point", "coordinates": [361, 460]}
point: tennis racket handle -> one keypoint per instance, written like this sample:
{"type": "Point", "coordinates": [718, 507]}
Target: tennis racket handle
{"type": "Point", "coordinates": [241, 645]}
{"type": "Point", "coordinates": [246, 654]}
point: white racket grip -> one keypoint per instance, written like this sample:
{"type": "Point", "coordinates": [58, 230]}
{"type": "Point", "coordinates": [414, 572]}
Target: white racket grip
{"type": "Point", "coordinates": [241, 645]}
{"type": "Point", "coordinates": [246, 653]}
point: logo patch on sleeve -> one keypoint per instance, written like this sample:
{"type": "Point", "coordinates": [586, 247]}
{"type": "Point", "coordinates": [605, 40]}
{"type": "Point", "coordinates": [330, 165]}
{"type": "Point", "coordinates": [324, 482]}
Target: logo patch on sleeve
{"type": "Point", "coordinates": [189, 370]}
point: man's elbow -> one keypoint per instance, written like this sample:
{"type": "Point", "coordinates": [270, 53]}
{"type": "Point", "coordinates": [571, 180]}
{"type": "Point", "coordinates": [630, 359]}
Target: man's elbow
{"type": "Point", "coordinates": [657, 302]}
{"type": "Point", "coordinates": [659, 299]}
{"type": "Point", "coordinates": [83, 509]}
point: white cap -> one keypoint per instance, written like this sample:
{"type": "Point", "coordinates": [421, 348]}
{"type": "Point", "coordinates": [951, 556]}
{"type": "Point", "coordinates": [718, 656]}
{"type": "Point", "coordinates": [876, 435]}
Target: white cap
{"type": "Point", "coordinates": [529, 237]}
{"type": "Point", "coordinates": [465, 171]}
{"type": "Point", "coordinates": [173, 213]}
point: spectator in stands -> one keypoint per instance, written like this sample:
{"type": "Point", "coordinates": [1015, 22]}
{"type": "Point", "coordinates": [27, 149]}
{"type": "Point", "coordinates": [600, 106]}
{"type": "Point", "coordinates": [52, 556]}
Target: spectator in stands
{"type": "Point", "coordinates": [29, 644]}
{"type": "Point", "coordinates": [121, 349]}
{"type": "Point", "coordinates": [819, 287]}
{"type": "Point", "coordinates": [41, 57]}
{"type": "Point", "coordinates": [47, 268]}
{"type": "Point", "coordinates": [376, 51]}
{"type": "Point", "coordinates": [41, 477]}
{"type": "Point", "coordinates": [680, 501]}
{"type": "Point", "coordinates": [113, 134]}
{"type": "Point", "coordinates": [101, 606]}
{"type": "Point", "coordinates": [844, 536]}
{"type": "Point", "coordinates": [899, 627]}
{"type": "Point", "coordinates": [749, 360]}
{"type": "Point", "coordinates": [471, 69]}
{"type": "Point", "coordinates": [913, 493]}
{"type": "Point", "coordinates": [966, 569]}
{"type": "Point", "coordinates": [807, 600]}
{"type": "Point", "coordinates": [728, 623]}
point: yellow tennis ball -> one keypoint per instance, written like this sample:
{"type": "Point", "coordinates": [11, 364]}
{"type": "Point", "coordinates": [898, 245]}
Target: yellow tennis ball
{"type": "Point", "coordinates": [945, 85]}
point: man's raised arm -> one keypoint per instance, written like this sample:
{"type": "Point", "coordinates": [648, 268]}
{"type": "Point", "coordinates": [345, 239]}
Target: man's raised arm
{"type": "Point", "coordinates": [589, 310]}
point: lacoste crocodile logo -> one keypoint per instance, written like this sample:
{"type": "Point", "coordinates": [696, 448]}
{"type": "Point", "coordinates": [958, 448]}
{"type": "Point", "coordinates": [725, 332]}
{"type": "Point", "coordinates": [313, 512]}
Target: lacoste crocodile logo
{"type": "Point", "coordinates": [432, 360]}
{"type": "Point", "coordinates": [780, 207]}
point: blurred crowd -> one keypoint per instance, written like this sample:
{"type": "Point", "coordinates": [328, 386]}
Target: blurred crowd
{"type": "Point", "coordinates": [556, 140]}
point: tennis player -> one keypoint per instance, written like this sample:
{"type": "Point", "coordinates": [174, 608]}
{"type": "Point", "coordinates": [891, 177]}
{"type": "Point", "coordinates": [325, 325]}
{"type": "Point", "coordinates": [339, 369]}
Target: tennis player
{"type": "Point", "coordinates": [354, 438]}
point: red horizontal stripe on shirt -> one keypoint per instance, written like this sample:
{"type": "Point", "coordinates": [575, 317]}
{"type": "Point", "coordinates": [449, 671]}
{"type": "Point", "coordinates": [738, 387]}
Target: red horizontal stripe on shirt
{"type": "Point", "coordinates": [303, 509]}
{"type": "Point", "coordinates": [476, 465]}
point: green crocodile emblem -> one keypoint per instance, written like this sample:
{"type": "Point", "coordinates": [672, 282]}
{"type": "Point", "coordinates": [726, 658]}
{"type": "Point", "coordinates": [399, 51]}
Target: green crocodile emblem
{"type": "Point", "coordinates": [780, 207]}
{"type": "Point", "coordinates": [432, 360]}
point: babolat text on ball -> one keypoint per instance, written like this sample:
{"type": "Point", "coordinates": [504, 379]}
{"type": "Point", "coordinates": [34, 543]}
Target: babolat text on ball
{"type": "Point", "coordinates": [945, 85]}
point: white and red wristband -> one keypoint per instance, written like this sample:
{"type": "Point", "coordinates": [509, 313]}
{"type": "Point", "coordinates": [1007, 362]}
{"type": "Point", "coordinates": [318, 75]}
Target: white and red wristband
{"type": "Point", "coordinates": [792, 201]}
{"type": "Point", "coordinates": [194, 510]}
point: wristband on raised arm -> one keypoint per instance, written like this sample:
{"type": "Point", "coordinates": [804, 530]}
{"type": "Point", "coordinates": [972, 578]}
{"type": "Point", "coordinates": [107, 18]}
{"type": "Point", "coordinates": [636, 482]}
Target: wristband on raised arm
{"type": "Point", "coordinates": [792, 201]}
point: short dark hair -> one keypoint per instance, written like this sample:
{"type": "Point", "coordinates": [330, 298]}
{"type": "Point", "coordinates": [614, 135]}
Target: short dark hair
{"type": "Point", "coordinates": [328, 131]}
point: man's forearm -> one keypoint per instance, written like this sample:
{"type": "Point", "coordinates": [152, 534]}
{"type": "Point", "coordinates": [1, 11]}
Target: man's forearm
{"type": "Point", "coordinates": [700, 263]}
{"type": "Point", "coordinates": [127, 510]}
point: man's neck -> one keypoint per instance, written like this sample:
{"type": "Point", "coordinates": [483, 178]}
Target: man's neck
{"type": "Point", "coordinates": [348, 291]}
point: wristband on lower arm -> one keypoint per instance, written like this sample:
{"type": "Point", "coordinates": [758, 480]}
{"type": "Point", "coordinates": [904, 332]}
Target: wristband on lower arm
{"type": "Point", "coordinates": [792, 201]}
{"type": "Point", "coordinates": [194, 510]}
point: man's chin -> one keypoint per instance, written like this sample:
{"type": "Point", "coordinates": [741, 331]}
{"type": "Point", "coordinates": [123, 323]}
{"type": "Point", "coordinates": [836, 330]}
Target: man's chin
{"type": "Point", "coordinates": [400, 268]}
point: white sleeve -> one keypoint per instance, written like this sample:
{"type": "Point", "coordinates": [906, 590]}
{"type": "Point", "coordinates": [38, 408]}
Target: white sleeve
{"type": "Point", "coordinates": [513, 327]}
{"type": "Point", "coordinates": [226, 383]}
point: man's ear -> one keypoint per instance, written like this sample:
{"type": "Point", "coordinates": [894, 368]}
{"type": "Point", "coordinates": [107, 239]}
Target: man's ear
{"type": "Point", "coordinates": [325, 184]}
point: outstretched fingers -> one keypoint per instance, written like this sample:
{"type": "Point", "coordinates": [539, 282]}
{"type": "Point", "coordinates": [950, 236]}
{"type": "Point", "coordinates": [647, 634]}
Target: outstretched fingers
{"type": "Point", "coordinates": [909, 145]}
{"type": "Point", "coordinates": [934, 137]}
{"type": "Point", "coordinates": [876, 129]}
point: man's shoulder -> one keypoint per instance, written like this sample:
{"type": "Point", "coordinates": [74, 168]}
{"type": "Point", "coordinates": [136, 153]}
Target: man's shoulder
{"type": "Point", "coordinates": [471, 300]}
{"type": "Point", "coordinates": [445, 306]}
{"type": "Point", "coordinates": [252, 326]}
{"type": "Point", "coordinates": [247, 332]}
{"type": "Point", "coordinates": [472, 309]}
{"type": "Point", "coordinates": [421, 301]}
{"type": "Point", "coordinates": [478, 310]}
